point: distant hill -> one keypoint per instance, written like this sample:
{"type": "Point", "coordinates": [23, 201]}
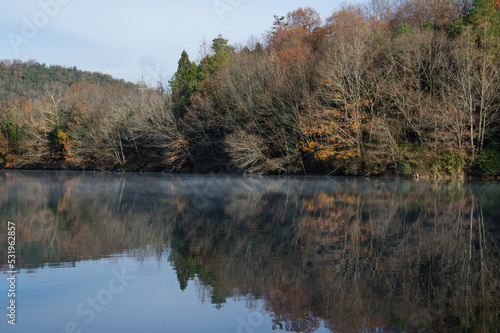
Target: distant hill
{"type": "Point", "coordinates": [29, 79]}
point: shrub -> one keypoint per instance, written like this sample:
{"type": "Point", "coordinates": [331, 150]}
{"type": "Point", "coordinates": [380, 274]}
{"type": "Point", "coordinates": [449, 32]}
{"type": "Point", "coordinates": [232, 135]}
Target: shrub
{"type": "Point", "coordinates": [489, 161]}
{"type": "Point", "coordinates": [406, 168]}
{"type": "Point", "coordinates": [449, 163]}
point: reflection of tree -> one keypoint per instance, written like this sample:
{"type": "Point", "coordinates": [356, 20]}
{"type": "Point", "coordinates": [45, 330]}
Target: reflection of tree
{"type": "Point", "coordinates": [357, 258]}
{"type": "Point", "coordinates": [350, 255]}
{"type": "Point", "coordinates": [183, 261]}
{"type": "Point", "coordinates": [66, 217]}
{"type": "Point", "coordinates": [220, 243]}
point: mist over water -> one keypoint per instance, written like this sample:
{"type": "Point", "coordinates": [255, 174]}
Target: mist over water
{"type": "Point", "coordinates": [105, 252]}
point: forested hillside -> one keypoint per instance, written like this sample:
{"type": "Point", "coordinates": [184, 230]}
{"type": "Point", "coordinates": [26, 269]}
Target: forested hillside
{"type": "Point", "coordinates": [31, 79]}
{"type": "Point", "coordinates": [406, 87]}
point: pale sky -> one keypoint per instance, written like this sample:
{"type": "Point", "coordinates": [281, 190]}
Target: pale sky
{"type": "Point", "coordinates": [131, 39]}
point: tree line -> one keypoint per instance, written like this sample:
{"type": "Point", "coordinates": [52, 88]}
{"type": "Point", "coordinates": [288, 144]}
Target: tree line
{"type": "Point", "coordinates": [407, 87]}
{"type": "Point", "coordinates": [30, 79]}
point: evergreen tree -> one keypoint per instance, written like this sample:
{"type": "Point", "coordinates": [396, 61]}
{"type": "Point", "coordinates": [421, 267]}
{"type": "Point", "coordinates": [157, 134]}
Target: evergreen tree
{"type": "Point", "coordinates": [220, 44]}
{"type": "Point", "coordinates": [211, 63]}
{"type": "Point", "coordinates": [259, 49]}
{"type": "Point", "coordinates": [183, 83]}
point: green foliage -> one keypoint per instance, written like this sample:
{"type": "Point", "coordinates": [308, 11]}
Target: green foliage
{"type": "Point", "coordinates": [406, 168]}
{"type": "Point", "coordinates": [29, 79]}
{"type": "Point", "coordinates": [183, 83]}
{"type": "Point", "coordinates": [188, 75]}
{"type": "Point", "coordinates": [451, 163]}
{"type": "Point", "coordinates": [401, 324]}
{"type": "Point", "coordinates": [13, 132]}
{"type": "Point", "coordinates": [404, 29]}
{"type": "Point", "coordinates": [489, 161]}
{"type": "Point", "coordinates": [484, 18]}
{"type": "Point", "coordinates": [220, 44]}
{"type": "Point", "coordinates": [485, 11]}
{"type": "Point", "coordinates": [258, 49]}
{"type": "Point", "coordinates": [457, 27]}
{"type": "Point", "coordinates": [209, 65]}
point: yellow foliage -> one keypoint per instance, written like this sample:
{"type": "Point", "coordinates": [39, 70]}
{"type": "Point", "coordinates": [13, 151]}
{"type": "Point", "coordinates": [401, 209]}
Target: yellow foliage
{"type": "Point", "coordinates": [62, 138]}
{"type": "Point", "coordinates": [332, 132]}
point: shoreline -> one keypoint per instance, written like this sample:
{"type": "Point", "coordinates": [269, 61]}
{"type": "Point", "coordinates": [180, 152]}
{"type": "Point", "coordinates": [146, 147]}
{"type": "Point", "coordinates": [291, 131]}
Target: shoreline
{"type": "Point", "coordinates": [253, 175]}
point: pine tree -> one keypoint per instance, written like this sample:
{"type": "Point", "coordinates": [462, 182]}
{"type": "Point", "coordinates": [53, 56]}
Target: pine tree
{"type": "Point", "coordinates": [183, 83]}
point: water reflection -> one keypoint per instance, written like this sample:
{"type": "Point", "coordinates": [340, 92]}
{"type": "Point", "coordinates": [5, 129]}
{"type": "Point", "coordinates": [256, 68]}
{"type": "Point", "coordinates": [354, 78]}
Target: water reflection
{"type": "Point", "coordinates": [344, 253]}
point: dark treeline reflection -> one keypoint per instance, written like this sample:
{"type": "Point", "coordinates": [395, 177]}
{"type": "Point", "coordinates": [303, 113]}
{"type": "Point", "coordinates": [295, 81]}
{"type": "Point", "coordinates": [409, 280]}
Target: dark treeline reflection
{"type": "Point", "coordinates": [346, 253]}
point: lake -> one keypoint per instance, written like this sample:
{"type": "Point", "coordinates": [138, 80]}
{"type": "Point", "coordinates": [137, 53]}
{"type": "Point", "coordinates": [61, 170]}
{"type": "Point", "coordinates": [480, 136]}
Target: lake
{"type": "Point", "coordinates": [110, 252]}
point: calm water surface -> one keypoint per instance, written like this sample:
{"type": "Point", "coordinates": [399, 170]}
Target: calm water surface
{"type": "Point", "coordinates": [103, 252]}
